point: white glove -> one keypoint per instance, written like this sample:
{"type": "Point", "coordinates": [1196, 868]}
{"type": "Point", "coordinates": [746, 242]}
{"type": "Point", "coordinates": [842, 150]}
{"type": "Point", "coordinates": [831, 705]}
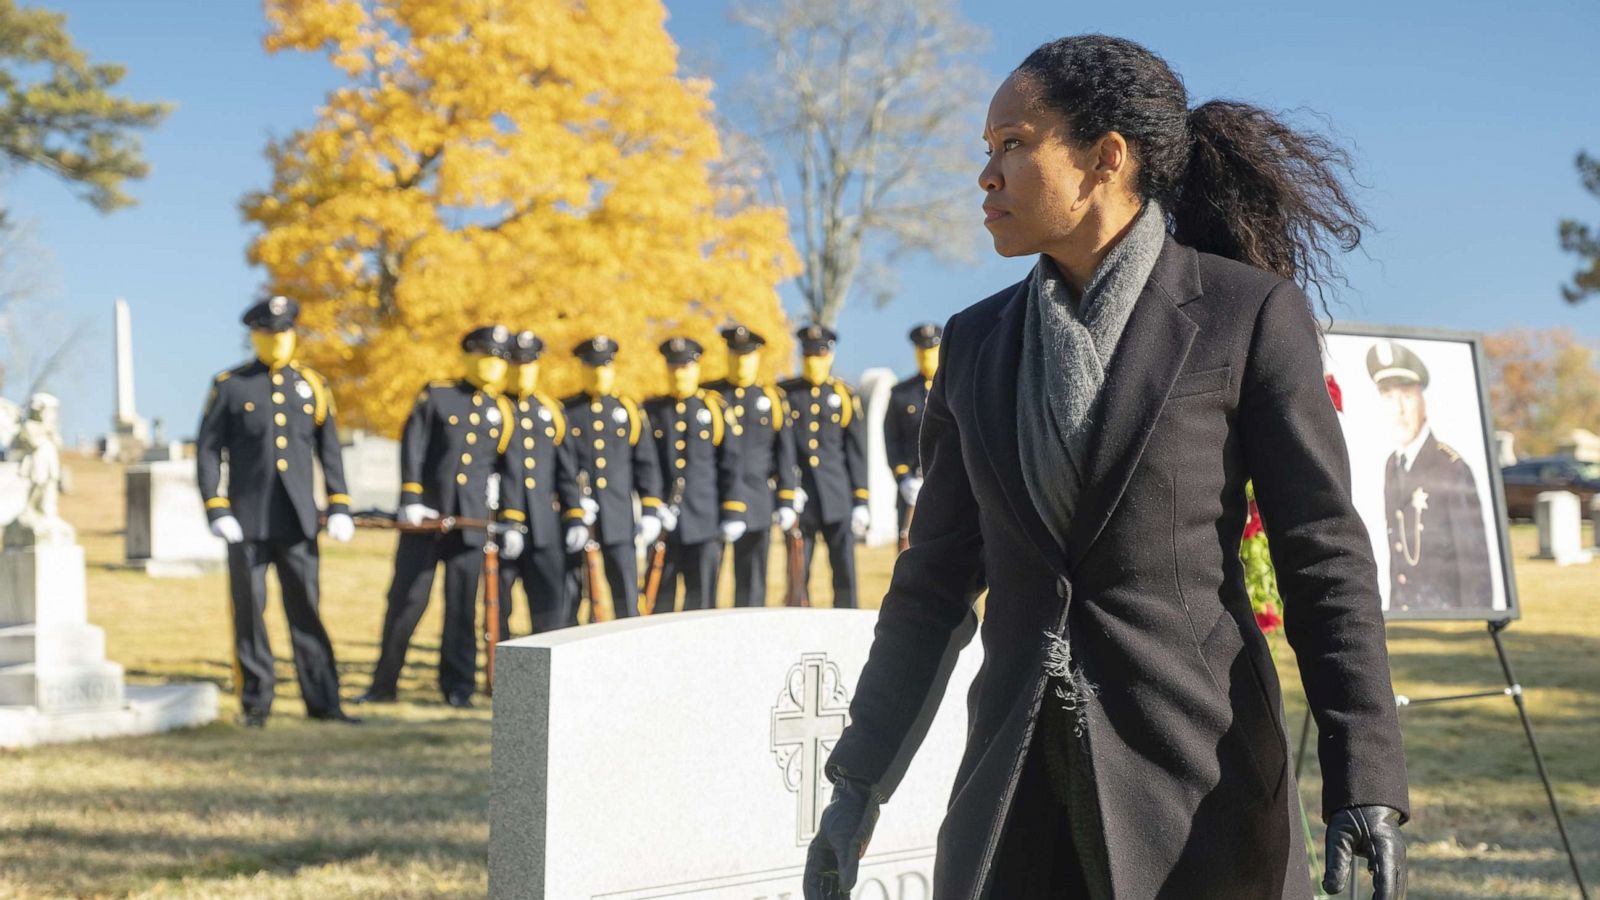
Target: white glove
{"type": "Point", "coordinates": [669, 519]}
{"type": "Point", "coordinates": [786, 518]}
{"type": "Point", "coordinates": [910, 487]}
{"type": "Point", "coordinates": [860, 518]}
{"type": "Point", "coordinates": [511, 544]}
{"type": "Point", "coordinates": [732, 530]}
{"type": "Point", "coordinates": [416, 514]}
{"type": "Point", "coordinates": [228, 529]}
{"type": "Point", "coordinates": [800, 499]}
{"type": "Point", "coordinates": [577, 538]}
{"type": "Point", "coordinates": [591, 509]}
{"type": "Point", "coordinates": [341, 527]}
{"type": "Point", "coordinates": [649, 530]}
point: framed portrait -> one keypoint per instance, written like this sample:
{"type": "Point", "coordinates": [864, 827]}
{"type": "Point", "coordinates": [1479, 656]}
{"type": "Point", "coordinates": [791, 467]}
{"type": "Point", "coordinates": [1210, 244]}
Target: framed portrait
{"type": "Point", "coordinates": [1415, 414]}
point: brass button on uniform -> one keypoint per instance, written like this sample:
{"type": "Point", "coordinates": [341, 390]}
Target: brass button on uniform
{"type": "Point", "coordinates": [477, 399]}
{"type": "Point", "coordinates": [277, 397]}
{"type": "Point", "coordinates": [528, 461]}
{"type": "Point", "coordinates": [679, 407]}
{"type": "Point", "coordinates": [681, 426]}
{"type": "Point", "coordinates": [527, 483]}
{"type": "Point", "coordinates": [816, 392]}
{"type": "Point", "coordinates": [812, 443]}
{"type": "Point", "coordinates": [282, 442]}
{"type": "Point", "coordinates": [598, 425]}
{"type": "Point", "coordinates": [454, 421]}
{"type": "Point", "coordinates": [815, 462]}
{"type": "Point", "coordinates": [306, 409]}
{"type": "Point", "coordinates": [461, 478]}
{"type": "Point", "coordinates": [527, 443]}
{"type": "Point", "coordinates": [277, 378]}
{"type": "Point", "coordinates": [595, 406]}
{"type": "Point", "coordinates": [816, 426]}
{"type": "Point", "coordinates": [494, 432]}
{"type": "Point", "coordinates": [473, 418]}
{"type": "Point", "coordinates": [576, 431]}
{"type": "Point", "coordinates": [249, 407]}
{"type": "Point", "coordinates": [281, 419]}
{"type": "Point", "coordinates": [600, 482]}
{"type": "Point", "coordinates": [704, 435]}
{"type": "Point", "coordinates": [283, 466]}
{"type": "Point", "coordinates": [599, 443]}
{"type": "Point", "coordinates": [531, 484]}
{"type": "Point", "coordinates": [681, 444]}
{"type": "Point", "coordinates": [815, 409]}
{"type": "Point", "coordinates": [600, 463]}
{"type": "Point", "coordinates": [738, 410]}
{"type": "Point", "coordinates": [466, 459]}
{"type": "Point", "coordinates": [527, 423]}
{"type": "Point", "coordinates": [472, 437]}
{"type": "Point", "coordinates": [738, 392]}
{"type": "Point", "coordinates": [680, 463]}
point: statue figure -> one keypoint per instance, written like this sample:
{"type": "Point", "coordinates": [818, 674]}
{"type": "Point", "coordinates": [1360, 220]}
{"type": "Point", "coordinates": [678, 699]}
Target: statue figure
{"type": "Point", "coordinates": [37, 449]}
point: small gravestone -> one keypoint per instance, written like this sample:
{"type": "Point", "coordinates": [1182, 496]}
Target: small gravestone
{"type": "Point", "coordinates": [881, 486]}
{"type": "Point", "coordinates": [1594, 520]}
{"type": "Point", "coordinates": [681, 756]}
{"type": "Point", "coordinates": [13, 491]}
{"type": "Point", "coordinates": [1560, 520]}
{"type": "Point", "coordinates": [372, 472]}
{"type": "Point", "coordinates": [167, 533]}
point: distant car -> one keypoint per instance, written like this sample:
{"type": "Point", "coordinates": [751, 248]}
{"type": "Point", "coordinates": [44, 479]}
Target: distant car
{"type": "Point", "coordinates": [1525, 480]}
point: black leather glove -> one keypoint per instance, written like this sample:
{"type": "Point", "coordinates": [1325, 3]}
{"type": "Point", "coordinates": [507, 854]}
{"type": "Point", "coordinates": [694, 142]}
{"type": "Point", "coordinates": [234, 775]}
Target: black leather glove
{"type": "Point", "coordinates": [841, 840]}
{"type": "Point", "coordinates": [1371, 832]}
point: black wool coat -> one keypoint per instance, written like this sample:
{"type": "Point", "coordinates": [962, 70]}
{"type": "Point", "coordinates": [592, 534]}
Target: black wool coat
{"type": "Point", "coordinates": [1218, 379]}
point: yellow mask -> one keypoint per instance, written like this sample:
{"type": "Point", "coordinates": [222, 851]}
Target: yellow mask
{"type": "Point", "coordinates": [745, 369]}
{"type": "Point", "coordinates": [485, 371]}
{"type": "Point", "coordinates": [527, 379]}
{"type": "Point", "coordinates": [275, 348]}
{"type": "Point", "coordinates": [685, 379]}
{"type": "Point", "coordinates": [598, 381]}
{"type": "Point", "coordinates": [927, 361]}
{"type": "Point", "coordinates": [816, 368]}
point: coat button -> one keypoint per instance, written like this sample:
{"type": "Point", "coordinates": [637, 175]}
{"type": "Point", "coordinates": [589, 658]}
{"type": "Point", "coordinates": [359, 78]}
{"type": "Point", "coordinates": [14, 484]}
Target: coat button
{"type": "Point", "coordinates": [600, 482]}
{"type": "Point", "coordinates": [472, 437]}
{"type": "Point", "coordinates": [461, 478]}
{"type": "Point", "coordinates": [283, 466]}
{"type": "Point", "coordinates": [281, 419]}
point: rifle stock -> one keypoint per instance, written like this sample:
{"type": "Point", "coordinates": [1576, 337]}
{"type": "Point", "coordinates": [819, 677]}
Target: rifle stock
{"type": "Point", "coordinates": [797, 594]}
{"type": "Point", "coordinates": [491, 611]}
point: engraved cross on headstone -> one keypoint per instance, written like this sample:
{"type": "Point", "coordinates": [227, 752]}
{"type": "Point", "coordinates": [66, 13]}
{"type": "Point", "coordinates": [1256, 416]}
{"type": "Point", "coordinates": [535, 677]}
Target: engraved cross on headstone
{"type": "Point", "coordinates": [809, 726]}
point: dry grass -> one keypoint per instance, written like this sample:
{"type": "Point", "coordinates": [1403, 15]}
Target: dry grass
{"type": "Point", "coordinates": [398, 807]}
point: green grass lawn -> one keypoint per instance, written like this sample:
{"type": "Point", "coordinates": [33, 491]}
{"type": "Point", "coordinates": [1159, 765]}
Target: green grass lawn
{"type": "Point", "coordinates": [399, 806]}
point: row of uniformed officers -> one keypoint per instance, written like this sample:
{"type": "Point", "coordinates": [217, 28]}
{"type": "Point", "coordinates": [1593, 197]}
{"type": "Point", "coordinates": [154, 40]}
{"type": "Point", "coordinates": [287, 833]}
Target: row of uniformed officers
{"type": "Point", "coordinates": [708, 464]}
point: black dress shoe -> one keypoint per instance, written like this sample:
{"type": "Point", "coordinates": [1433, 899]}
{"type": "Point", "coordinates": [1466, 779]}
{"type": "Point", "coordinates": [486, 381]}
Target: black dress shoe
{"type": "Point", "coordinates": [337, 715]}
{"type": "Point", "coordinates": [372, 696]}
{"type": "Point", "coordinates": [462, 700]}
{"type": "Point", "coordinates": [253, 718]}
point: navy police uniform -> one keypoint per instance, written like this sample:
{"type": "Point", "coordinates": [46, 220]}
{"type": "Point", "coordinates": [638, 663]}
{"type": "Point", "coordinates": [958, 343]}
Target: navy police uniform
{"type": "Point", "coordinates": [1438, 547]}
{"type": "Point", "coordinates": [902, 425]}
{"type": "Point", "coordinates": [827, 423]}
{"type": "Point", "coordinates": [271, 425]}
{"type": "Point", "coordinates": [616, 455]}
{"type": "Point", "coordinates": [700, 470]}
{"type": "Point", "coordinates": [768, 475]}
{"type": "Point", "coordinates": [456, 437]}
{"type": "Point", "coordinates": [541, 467]}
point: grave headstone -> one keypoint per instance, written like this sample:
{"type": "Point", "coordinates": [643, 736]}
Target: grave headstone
{"type": "Point", "coordinates": [681, 756]}
{"type": "Point", "coordinates": [875, 387]}
{"type": "Point", "coordinates": [372, 472]}
{"type": "Point", "coordinates": [1560, 521]}
{"type": "Point", "coordinates": [167, 533]}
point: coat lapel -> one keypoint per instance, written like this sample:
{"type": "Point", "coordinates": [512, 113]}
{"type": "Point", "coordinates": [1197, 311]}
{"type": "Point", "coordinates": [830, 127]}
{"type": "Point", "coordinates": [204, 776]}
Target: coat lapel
{"type": "Point", "coordinates": [1147, 361]}
{"type": "Point", "coordinates": [994, 398]}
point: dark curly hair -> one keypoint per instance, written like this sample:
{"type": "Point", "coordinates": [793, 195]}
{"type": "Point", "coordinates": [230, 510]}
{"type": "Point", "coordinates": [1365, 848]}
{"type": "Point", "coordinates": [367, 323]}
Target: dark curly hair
{"type": "Point", "coordinates": [1234, 179]}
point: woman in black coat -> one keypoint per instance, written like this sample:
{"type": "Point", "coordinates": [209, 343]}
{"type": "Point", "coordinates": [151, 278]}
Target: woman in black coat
{"type": "Point", "coordinates": [1086, 446]}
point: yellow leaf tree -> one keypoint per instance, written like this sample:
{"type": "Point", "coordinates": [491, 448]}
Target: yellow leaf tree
{"type": "Point", "coordinates": [537, 164]}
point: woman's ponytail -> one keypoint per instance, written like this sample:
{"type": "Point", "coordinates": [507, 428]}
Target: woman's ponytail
{"type": "Point", "coordinates": [1258, 191]}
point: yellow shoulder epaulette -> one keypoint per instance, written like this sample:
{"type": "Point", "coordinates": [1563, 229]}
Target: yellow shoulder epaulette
{"type": "Point", "coordinates": [319, 390]}
{"type": "Point", "coordinates": [555, 413]}
{"type": "Point", "coordinates": [719, 415]}
{"type": "Point", "coordinates": [777, 406]}
{"type": "Point", "coordinates": [633, 420]}
{"type": "Point", "coordinates": [1450, 452]}
{"type": "Point", "coordinates": [508, 420]}
{"type": "Point", "coordinates": [848, 407]}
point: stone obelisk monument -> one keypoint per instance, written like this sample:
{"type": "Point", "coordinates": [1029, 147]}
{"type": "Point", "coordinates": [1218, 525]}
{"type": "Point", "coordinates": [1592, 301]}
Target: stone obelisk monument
{"type": "Point", "coordinates": [130, 435]}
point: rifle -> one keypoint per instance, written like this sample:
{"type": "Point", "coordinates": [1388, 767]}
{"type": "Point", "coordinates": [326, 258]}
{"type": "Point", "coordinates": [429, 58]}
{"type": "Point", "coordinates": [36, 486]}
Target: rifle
{"type": "Point", "coordinates": [658, 557]}
{"type": "Point", "coordinates": [593, 569]}
{"type": "Point", "coordinates": [491, 565]}
{"type": "Point", "coordinates": [905, 532]}
{"type": "Point", "coordinates": [797, 593]}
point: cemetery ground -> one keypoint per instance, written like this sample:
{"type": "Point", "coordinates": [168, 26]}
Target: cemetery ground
{"type": "Point", "coordinates": [398, 807]}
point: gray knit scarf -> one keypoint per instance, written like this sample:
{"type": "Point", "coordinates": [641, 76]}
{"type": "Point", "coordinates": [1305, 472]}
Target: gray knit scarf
{"type": "Point", "coordinates": [1066, 347]}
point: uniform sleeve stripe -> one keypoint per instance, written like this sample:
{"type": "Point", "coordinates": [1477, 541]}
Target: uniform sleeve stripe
{"type": "Point", "coordinates": [733, 506]}
{"type": "Point", "coordinates": [339, 498]}
{"type": "Point", "coordinates": [411, 487]}
{"type": "Point", "coordinates": [515, 515]}
{"type": "Point", "coordinates": [786, 495]}
{"type": "Point", "coordinates": [902, 469]}
{"type": "Point", "coordinates": [650, 501]}
{"type": "Point", "coordinates": [218, 503]}
{"type": "Point", "coordinates": [572, 514]}
{"type": "Point", "coordinates": [863, 493]}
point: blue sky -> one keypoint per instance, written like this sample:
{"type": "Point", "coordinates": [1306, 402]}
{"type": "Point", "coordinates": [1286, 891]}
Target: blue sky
{"type": "Point", "coordinates": [1464, 116]}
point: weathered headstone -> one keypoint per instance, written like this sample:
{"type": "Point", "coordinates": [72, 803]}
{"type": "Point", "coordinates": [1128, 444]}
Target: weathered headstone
{"type": "Point", "coordinates": [681, 756]}
{"type": "Point", "coordinates": [1594, 520]}
{"type": "Point", "coordinates": [1560, 521]}
{"type": "Point", "coordinates": [372, 472]}
{"type": "Point", "coordinates": [167, 533]}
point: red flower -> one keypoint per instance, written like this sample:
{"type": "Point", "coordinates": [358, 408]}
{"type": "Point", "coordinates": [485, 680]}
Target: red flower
{"type": "Point", "coordinates": [1334, 393]}
{"type": "Point", "coordinates": [1252, 522]}
{"type": "Point", "coordinates": [1268, 620]}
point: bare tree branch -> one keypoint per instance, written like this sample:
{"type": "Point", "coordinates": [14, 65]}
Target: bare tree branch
{"type": "Point", "coordinates": [859, 102]}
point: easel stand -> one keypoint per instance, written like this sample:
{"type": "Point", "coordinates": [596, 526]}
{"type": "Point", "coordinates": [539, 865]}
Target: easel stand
{"type": "Point", "coordinates": [1513, 689]}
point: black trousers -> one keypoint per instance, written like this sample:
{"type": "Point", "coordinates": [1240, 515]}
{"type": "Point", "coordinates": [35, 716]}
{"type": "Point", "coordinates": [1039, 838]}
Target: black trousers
{"type": "Point", "coordinates": [750, 554]}
{"type": "Point", "coordinates": [696, 566]}
{"type": "Point", "coordinates": [415, 560]}
{"type": "Point", "coordinates": [622, 574]}
{"type": "Point", "coordinates": [841, 556]}
{"type": "Point", "coordinates": [296, 562]}
{"type": "Point", "coordinates": [542, 571]}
